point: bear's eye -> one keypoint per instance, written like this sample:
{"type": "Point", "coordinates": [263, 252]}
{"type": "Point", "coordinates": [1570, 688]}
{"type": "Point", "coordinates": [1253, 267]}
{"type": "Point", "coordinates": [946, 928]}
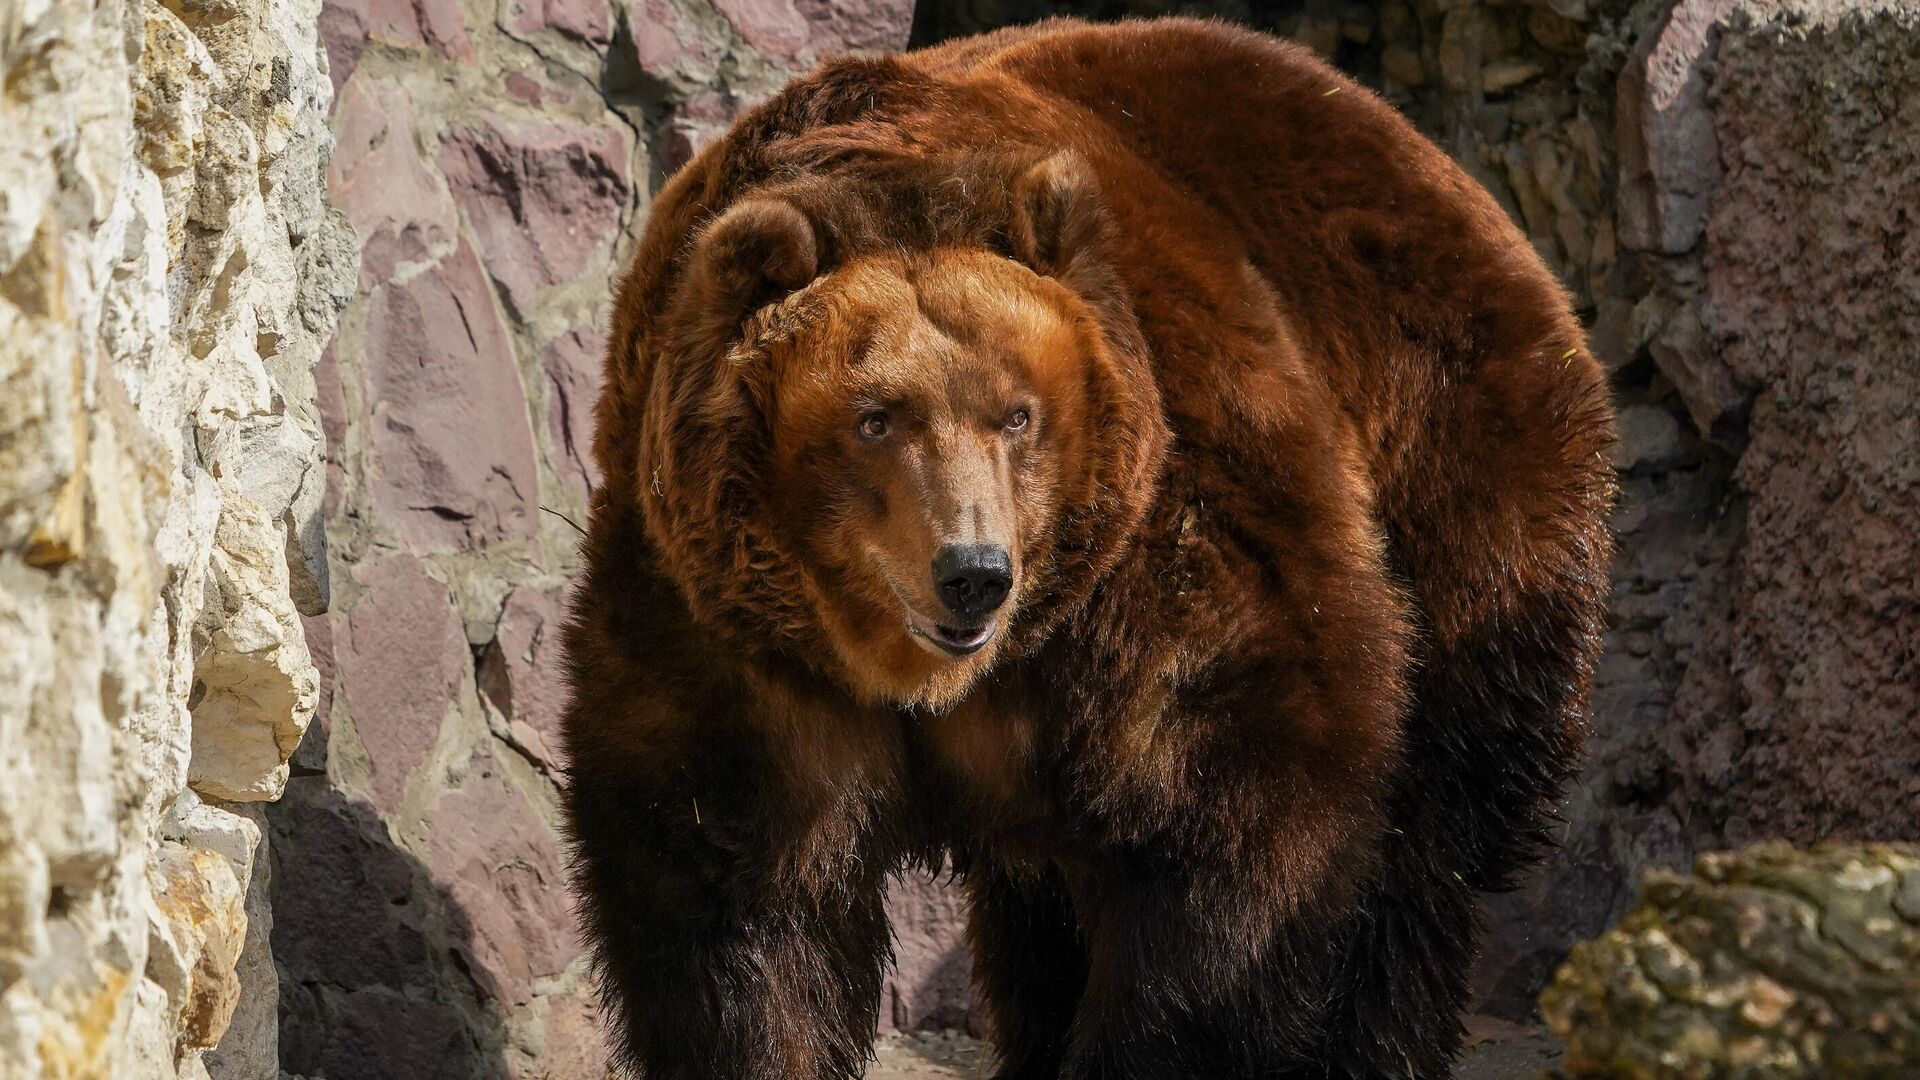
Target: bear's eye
{"type": "Point", "coordinates": [1019, 420]}
{"type": "Point", "coordinates": [874, 425]}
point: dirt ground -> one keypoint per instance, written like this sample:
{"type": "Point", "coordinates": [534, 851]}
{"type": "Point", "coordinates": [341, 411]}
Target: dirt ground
{"type": "Point", "coordinates": [1497, 1051]}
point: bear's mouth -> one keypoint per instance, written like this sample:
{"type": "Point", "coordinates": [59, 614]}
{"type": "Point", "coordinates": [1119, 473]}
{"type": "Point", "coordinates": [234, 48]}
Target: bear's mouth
{"type": "Point", "coordinates": [955, 641]}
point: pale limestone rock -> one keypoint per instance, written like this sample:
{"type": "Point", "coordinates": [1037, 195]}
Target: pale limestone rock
{"type": "Point", "coordinates": [256, 685]}
{"type": "Point", "coordinates": [250, 1049]}
{"type": "Point", "coordinates": [201, 907]}
{"type": "Point", "coordinates": [168, 275]}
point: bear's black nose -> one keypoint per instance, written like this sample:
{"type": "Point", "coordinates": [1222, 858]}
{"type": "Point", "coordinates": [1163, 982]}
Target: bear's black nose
{"type": "Point", "coordinates": [973, 579]}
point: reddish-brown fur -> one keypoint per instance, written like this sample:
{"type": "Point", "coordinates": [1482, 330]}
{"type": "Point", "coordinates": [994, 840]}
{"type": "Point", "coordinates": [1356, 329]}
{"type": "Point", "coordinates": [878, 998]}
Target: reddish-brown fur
{"type": "Point", "coordinates": [1309, 548]}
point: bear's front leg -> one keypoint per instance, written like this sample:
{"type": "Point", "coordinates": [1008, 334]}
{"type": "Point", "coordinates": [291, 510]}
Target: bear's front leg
{"type": "Point", "coordinates": [1029, 965]}
{"type": "Point", "coordinates": [1231, 824]}
{"type": "Point", "coordinates": [1194, 973]}
{"type": "Point", "coordinates": [737, 924]}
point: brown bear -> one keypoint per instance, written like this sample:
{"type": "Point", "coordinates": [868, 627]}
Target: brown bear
{"type": "Point", "coordinates": [1125, 461]}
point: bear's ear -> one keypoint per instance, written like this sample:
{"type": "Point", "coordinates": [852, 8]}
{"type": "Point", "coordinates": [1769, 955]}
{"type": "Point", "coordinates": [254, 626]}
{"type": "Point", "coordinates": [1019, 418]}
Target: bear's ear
{"type": "Point", "coordinates": [758, 251]}
{"type": "Point", "coordinates": [1058, 217]}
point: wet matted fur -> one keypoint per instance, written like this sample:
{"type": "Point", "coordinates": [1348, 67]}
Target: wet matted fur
{"type": "Point", "coordinates": [1310, 568]}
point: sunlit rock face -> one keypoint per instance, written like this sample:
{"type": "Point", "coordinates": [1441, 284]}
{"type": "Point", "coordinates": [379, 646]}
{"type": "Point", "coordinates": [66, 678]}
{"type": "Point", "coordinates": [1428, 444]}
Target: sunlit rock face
{"type": "Point", "coordinates": [169, 273]}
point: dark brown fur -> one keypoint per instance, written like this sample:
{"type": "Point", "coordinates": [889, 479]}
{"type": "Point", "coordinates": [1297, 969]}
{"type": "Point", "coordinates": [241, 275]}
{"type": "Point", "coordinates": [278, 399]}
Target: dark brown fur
{"type": "Point", "coordinates": [1313, 565]}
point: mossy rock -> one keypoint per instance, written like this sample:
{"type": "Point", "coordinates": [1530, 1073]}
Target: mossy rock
{"type": "Point", "coordinates": [1769, 963]}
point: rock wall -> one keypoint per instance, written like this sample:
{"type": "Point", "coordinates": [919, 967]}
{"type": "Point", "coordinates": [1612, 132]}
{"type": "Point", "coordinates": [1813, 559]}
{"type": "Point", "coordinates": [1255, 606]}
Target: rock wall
{"type": "Point", "coordinates": [1760, 681]}
{"type": "Point", "coordinates": [1798, 718]}
{"type": "Point", "coordinates": [168, 274]}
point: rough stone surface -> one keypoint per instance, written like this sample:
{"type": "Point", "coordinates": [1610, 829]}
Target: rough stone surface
{"type": "Point", "coordinates": [451, 450]}
{"type": "Point", "coordinates": [1669, 159]}
{"type": "Point", "coordinates": [572, 366]}
{"type": "Point", "coordinates": [497, 859]}
{"type": "Point", "coordinates": [351, 26]}
{"type": "Point", "coordinates": [520, 674]}
{"type": "Point", "coordinates": [398, 206]}
{"type": "Point", "coordinates": [1808, 683]}
{"type": "Point", "coordinates": [169, 272]}
{"type": "Point", "coordinates": [928, 989]}
{"type": "Point", "coordinates": [1771, 962]}
{"type": "Point", "coordinates": [400, 664]}
{"type": "Point", "coordinates": [255, 686]}
{"type": "Point", "coordinates": [544, 199]}
{"type": "Point", "coordinates": [588, 22]}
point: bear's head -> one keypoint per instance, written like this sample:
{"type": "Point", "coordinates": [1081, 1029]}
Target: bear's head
{"type": "Point", "coordinates": [898, 461]}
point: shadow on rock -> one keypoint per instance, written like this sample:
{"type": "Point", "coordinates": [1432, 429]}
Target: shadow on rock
{"type": "Point", "coordinates": [374, 956]}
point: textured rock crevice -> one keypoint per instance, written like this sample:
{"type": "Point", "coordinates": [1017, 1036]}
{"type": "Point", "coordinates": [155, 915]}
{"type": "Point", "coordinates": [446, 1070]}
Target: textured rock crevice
{"type": "Point", "coordinates": [168, 274]}
{"type": "Point", "coordinates": [1808, 308]}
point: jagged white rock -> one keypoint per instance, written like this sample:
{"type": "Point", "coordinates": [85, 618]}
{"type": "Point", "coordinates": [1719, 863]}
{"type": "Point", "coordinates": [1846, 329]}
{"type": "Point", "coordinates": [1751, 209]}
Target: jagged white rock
{"type": "Point", "coordinates": [169, 272]}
